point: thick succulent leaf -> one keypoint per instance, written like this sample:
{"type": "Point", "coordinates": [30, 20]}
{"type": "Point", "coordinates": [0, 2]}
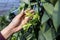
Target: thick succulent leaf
{"type": "Point", "coordinates": [44, 18]}
{"type": "Point", "coordinates": [49, 8]}
{"type": "Point", "coordinates": [56, 15]}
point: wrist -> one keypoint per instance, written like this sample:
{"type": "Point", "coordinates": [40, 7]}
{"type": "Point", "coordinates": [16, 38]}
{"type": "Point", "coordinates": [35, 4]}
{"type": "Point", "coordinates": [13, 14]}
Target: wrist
{"type": "Point", "coordinates": [6, 32]}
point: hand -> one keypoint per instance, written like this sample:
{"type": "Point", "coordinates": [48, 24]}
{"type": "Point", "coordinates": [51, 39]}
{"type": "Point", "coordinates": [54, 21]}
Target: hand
{"type": "Point", "coordinates": [16, 24]}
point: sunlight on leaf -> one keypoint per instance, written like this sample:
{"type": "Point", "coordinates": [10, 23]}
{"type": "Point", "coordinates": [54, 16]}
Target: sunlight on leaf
{"type": "Point", "coordinates": [49, 8]}
{"type": "Point", "coordinates": [56, 15]}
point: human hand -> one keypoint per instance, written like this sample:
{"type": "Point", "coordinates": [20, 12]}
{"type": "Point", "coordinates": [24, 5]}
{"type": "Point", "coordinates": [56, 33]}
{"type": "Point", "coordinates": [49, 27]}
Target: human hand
{"type": "Point", "coordinates": [16, 24]}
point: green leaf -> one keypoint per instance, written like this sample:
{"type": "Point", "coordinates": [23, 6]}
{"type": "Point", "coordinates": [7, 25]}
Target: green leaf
{"type": "Point", "coordinates": [43, 1]}
{"type": "Point", "coordinates": [34, 3]}
{"type": "Point", "coordinates": [53, 1]}
{"type": "Point", "coordinates": [26, 27]}
{"type": "Point", "coordinates": [29, 36]}
{"type": "Point", "coordinates": [48, 35]}
{"type": "Point", "coordinates": [21, 6]}
{"type": "Point", "coordinates": [25, 1]}
{"type": "Point", "coordinates": [43, 27]}
{"type": "Point", "coordinates": [47, 32]}
{"type": "Point", "coordinates": [56, 15]}
{"type": "Point", "coordinates": [41, 36]}
{"type": "Point", "coordinates": [44, 18]}
{"type": "Point", "coordinates": [14, 38]}
{"type": "Point", "coordinates": [49, 8]}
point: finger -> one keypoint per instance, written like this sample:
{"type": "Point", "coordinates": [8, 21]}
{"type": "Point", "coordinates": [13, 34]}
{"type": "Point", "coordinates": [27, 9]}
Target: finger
{"type": "Point", "coordinates": [20, 14]}
{"type": "Point", "coordinates": [27, 10]}
{"type": "Point", "coordinates": [19, 17]}
{"type": "Point", "coordinates": [32, 11]}
{"type": "Point", "coordinates": [26, 19]}
{"type": "Point", "coordinates": [23, 23]}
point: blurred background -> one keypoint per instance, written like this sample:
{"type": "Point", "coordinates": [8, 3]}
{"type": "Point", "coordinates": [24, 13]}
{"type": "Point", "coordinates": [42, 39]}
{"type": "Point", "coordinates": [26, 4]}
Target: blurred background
{"type": "Point", "coordinates": [7, 5]}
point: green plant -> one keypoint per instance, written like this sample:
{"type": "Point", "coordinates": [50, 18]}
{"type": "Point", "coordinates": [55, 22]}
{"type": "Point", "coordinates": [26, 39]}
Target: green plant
{"type": "Point", "coordinates": [45, 22]}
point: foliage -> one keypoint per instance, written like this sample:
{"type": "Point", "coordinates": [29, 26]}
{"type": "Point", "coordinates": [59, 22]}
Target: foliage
{"type": "Point", "coordinates": [45, 23]}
